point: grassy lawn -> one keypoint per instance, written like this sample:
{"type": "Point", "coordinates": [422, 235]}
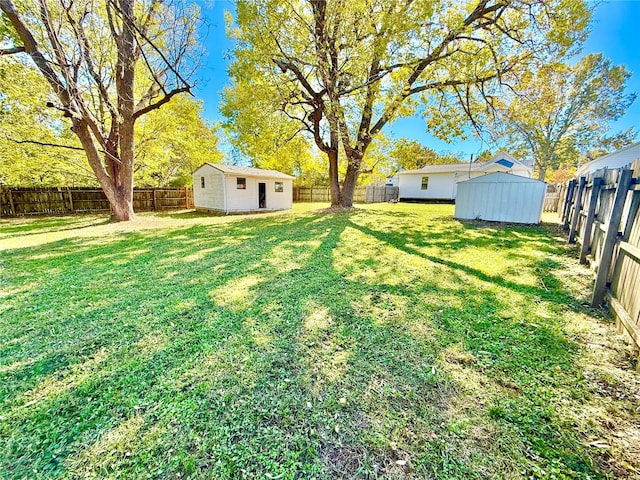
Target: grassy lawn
{"type": "Point", "coordinates": [388, 342]}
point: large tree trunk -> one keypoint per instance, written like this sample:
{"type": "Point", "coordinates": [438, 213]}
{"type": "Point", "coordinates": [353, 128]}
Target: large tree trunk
{"type": "Point", "coordinates": [122, 206]}
{"type": "Point", "coordinates": [334, 183]}
{"type": "Point", "coordinates": [349, 185]}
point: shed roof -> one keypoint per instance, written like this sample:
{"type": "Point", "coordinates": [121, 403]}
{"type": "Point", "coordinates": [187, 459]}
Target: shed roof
{"type": "Point", "coordinates": [501, 177]}
{"type": "Point", "coordinates": [246, 171]}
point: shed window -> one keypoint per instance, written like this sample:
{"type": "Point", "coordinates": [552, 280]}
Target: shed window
{"type": "Point", "coordinates": [425, 183]}
{"type": "Point", "coordinates": [241, 183]}
{"type": "Point", "coordinates": [201, 182]}
{"type": "Point", "coordinates": [279, 187]}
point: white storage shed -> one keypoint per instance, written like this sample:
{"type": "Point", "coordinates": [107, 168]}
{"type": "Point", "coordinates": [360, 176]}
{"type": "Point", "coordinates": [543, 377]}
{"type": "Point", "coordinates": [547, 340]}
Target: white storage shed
{"type": "Point", "coordinates": [501, 197]}
{"type": "Point", "coordinates": [231, 189]}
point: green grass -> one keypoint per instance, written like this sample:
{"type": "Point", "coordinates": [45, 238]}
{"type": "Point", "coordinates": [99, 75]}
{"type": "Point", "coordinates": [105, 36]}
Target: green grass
{"type": "Point", "coordinates": [387, 342]}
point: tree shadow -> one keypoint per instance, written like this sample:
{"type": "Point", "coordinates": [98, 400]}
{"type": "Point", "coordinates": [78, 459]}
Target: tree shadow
{"type": "Point", "coordinates": [33, 226]}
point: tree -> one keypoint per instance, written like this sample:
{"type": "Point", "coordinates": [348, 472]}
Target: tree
{"type": "Point", "coordinates": [562, 111]}
{"type": "Point", "coordinates": [344, 70]}
{"type": "Point", "coordinates": [170, 142]}
{"type": "Point", "coordinates": [109, 64]}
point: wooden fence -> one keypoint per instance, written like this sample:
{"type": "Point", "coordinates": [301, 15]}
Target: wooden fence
{"type": "Point", "coordinates": [363, 194]}
{"type": "Point", "coordinates": [601, 212]}
{"type": "Point", "coordinates": [16, 202]}
{"type": "Point", "coordinates": [553, 197]}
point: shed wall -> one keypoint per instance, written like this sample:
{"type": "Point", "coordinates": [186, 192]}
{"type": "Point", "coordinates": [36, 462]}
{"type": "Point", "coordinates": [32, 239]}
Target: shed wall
{"type": "Point", "coordinates": [515, 202]}
{"type": "Point", "coordinates": [211, 197]}
{"type": "Point", "coordinates": [246, 200]}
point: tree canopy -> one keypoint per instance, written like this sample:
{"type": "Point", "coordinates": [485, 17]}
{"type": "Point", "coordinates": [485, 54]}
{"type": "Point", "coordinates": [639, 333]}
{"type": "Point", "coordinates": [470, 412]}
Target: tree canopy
{"type": "Point", "coordinates": [27, 129]}
{"type": "Point", "coordinates": [560, 112]}
{"type": "Point", "coordinates": [411, 154]}
{"type": "Point", "coordinates": [344, 70]}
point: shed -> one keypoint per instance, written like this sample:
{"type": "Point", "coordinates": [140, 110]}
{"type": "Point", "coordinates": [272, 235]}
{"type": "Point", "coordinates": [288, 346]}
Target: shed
{"type": "Point", "coordinates": [501, 197]}
{"type": "Point", "coordinates": [231, 189]}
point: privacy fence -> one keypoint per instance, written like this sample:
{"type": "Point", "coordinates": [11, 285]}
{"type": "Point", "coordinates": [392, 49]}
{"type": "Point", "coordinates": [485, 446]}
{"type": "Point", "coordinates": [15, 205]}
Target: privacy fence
{"type": "Point", "coordinates": [553, 197]}
{"type": "Point", "coordinates": [601, 212]}
{"type": "Point", "coordinates": [363, 194]}
{"type": "Point", "coordinates": [16, 202]}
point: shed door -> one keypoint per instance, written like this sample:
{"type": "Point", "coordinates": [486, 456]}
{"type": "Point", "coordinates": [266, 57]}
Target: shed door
{"type": "Point", "coordinates": [262, 195]}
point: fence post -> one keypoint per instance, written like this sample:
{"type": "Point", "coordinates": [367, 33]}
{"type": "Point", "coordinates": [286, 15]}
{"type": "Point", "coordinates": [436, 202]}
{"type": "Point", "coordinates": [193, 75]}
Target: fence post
{"type": "Point", "coordinates": [588, 224]}
{"type": "Point", "coordinates": [567, 204]}
{"type": "Point", "coordinates": [153, 191]}
{"type": "Point", "coordinates": [13, 208]}
{"type": "Point", "coordinates": [70, 200]}
{"type": "Point", "coordinates": [611, 237]}
{"type": "Point", "coordinates": [576, 210]}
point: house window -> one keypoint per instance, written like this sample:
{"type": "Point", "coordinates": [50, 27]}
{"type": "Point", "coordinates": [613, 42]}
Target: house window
{"type": "Point", "coordinates": [201, 182]}
{"type": "Point", "coordinates": [241, 183]}
{"type": "Point", "coordinates": [425, 183]}
{"type": "Point", "coordinates": [279, 187]}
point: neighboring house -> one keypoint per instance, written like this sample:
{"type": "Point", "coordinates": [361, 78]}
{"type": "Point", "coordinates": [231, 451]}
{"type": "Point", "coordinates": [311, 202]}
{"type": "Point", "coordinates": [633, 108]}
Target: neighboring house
{"type": "Point", "coordinates": [439, 182]}
{"type": "Point", "coordinates": [619, 159]}
{"type": "Point", "coordinates": [501, 197]}
{"type": "Point", "coordinates": [230, 189]}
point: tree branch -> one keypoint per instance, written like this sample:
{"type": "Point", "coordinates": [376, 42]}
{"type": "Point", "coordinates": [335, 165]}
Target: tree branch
{"type": "Point", "coordinates": [57, 145]}
{"type": "Point", "coordinates": [45, 144]}
{"type": "Point", "coordinates": [12, 51]}
{"type": "Point", "coordinates": [160, 102]}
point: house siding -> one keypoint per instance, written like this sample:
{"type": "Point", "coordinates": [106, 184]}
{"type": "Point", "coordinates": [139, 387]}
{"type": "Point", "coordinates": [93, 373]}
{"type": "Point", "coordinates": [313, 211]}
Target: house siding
{"type": "Point", "coordinates": [442, 186]}
{"type": "Point", "coordinates": [247, 200]}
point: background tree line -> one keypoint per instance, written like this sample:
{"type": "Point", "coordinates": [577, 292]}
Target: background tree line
{"type": "Point", "coordinates": [313, 86]}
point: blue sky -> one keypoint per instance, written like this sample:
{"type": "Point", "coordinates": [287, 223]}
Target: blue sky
{"type": "Point", "coordinates": [614, 32]}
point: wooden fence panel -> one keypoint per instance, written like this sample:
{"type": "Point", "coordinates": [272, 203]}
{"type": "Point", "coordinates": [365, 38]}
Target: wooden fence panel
{"type": "Point", "coordinates": [553, 197]}
{"type": "Point", "coordinates": [15, 202]}
{"type": "Point", "coordinates": [361, 194]}
{"type": "Point", "coordinates": [607, 226]}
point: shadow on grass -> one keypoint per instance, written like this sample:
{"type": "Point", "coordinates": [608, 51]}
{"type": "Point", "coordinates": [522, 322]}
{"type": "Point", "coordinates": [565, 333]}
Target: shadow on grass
{"type": "Point", "coordinates": [266, 346]}
{"type": "Point", "coordinates": [17, 227]}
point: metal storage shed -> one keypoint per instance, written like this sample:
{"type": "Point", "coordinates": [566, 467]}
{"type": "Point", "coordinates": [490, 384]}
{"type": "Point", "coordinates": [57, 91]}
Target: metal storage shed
{"type": "Point", "coordinates": [501, 197]}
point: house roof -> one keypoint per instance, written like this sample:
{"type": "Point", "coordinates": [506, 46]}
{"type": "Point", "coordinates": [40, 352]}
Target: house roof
{"type": "Point", "coordinates": [246, 171]}
{"type": "Point", "coordinates": [501, 158]}
{"type": "Point", "coordinates": [620, 158]}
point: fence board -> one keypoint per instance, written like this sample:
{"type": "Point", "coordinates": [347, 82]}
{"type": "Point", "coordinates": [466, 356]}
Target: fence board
{"type": "Point", "coordinates": [16, 202]}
